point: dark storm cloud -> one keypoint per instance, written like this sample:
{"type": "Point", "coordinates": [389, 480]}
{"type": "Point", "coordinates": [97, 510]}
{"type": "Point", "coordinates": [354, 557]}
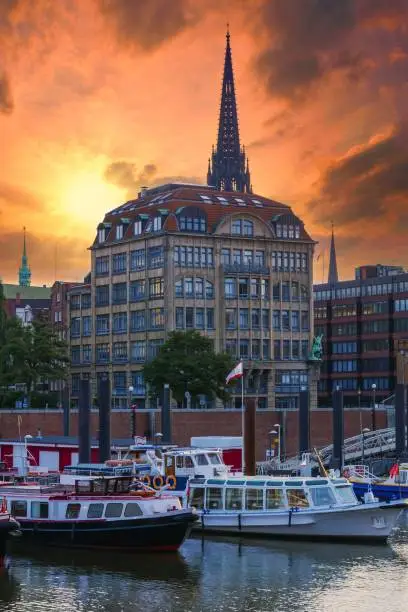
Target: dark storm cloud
{"type": "Point", "coordinates": [125, 175]}
{"type": "Point", "coordinates": [366, 184]}
{"type": "Point", "coordinates": [312, 38]}
{"type": "Point", "coordinates": [6, 98]}
{"type": "Point", "coordinates": [146, 23]}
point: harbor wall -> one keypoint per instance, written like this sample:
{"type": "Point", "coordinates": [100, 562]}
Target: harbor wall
{"type": "Point", "coordinates": [188, 423]}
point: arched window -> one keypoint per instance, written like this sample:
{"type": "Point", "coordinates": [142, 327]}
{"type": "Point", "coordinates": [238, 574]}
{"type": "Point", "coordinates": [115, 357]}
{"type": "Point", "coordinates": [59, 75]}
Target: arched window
{"type": "Point", "coordinates": [209, 290]}
{"type": "Point", "coordinates": [188, 287]}
{"type": "Point", "coordinates": [242, 227]}
{"type": "Point", "coordinates": [192, 219]}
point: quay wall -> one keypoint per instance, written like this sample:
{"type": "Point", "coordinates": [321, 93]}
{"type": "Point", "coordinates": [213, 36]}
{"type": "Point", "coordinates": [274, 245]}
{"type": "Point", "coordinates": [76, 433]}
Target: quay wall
{"type": "Point", "coordinates": [188, 423]}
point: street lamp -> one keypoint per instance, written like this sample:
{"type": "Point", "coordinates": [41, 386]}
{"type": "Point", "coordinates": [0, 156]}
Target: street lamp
{"type": "Point", "coordinates": [373, 387]}
{"type": "Point", "coordinates": [273, 432]}
{"type": "Point", "coordinates": [158, 437]}
{"type": "Point", "coordinates": [363, 432]}
{"type": "Point", "coordinates": [278, 427]}
{"type": "Point", "coordinates": [25, 462]}
{"type": "Point", "coordinates": [130, 390]}
{"type": "Point", "coordinates": [359, 408]}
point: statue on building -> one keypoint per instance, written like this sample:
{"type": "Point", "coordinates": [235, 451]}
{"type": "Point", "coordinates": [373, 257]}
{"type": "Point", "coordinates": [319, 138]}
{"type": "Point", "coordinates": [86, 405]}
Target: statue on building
{"type": "Point", "coordinates": [316, 353]}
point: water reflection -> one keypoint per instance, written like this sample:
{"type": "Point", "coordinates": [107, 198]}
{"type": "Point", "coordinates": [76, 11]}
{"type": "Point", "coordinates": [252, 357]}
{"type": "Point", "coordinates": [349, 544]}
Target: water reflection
{"type": "Point", "coordinates": [214, 575]}
{"type": "Point", "coordinates": [9, 587]}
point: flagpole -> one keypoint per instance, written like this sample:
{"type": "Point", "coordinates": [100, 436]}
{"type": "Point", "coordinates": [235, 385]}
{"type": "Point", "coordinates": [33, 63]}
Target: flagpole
{"type": "Point", "coordinates": [243, 420]}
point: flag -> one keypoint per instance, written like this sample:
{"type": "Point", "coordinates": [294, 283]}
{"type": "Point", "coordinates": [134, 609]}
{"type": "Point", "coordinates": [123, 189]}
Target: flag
{"type": "Point", "coordinates": [237, 372]}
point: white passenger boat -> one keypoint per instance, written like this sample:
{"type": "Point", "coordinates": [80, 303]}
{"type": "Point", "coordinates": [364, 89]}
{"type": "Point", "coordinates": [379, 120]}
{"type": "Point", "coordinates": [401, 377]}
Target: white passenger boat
{"type": "Point", "coordinates": [310, 508]}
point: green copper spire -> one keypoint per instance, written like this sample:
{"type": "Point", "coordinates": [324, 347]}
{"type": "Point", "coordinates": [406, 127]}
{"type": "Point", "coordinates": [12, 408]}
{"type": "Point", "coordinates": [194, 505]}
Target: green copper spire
{"type": "Point", "coordinates": [24, 273]}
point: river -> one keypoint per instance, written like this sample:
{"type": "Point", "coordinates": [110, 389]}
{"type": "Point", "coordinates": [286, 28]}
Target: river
{"type": "Point", "coordinates": [214, 575]}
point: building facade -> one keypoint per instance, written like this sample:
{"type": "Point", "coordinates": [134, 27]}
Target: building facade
{"type": "Point", "coordinates": [236, 267]}
{"type": "Point", "coordinates": [364, 323]}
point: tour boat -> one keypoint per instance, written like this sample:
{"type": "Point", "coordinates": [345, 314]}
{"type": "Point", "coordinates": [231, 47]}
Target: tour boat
{"type": "Point", "coordinates": [309, 508]}
{"type": "Point", "coordinates": [394, 486]}
{"type": "Point", "coordinates": [99, 513]}
{"type": "Point", "coordinates": [7, 525]}
{"type": "Point", "coordinates": [159, 467]}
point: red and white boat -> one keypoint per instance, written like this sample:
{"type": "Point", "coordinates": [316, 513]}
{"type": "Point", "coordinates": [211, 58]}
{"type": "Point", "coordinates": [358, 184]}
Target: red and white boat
{"type": "Point", "coordinates": [7, 525]}
{"type": "Point", "coordinates": [99, 513]}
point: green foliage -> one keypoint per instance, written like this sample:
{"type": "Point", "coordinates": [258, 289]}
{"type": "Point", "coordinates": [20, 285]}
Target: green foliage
{"type": "Point", "coordinates": [187, 362]}
{"type": "Point", "coordinates": [31, 354]}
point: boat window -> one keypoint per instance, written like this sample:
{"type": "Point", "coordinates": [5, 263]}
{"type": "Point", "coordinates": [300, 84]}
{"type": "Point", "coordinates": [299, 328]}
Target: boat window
{"type": "Point", "coordinates": [133, 509]}
{"type": "Point", "coordinates": [297, 498]}
{"type": "Point", "coordinates": [316, 482]}
{"type": "Point", "coordinates": [214, 458]}
{"type": "Point", "coordinates": [95, 511]}
{"type": "Point", "coordinates": [201, 460]}
{"type": "Point", "coordinates": [294, 483]}
{"type": "Point", "coordinates": [322, 496]}
{"type": "Point", "coordinates": [214, 498]}
{"type": "Point", "coordinates": [235, 482]}
{"type": "Point", "coordinates": [254, 499]}
{"type": "Point", "coordinates": [215, 481]}
{"type": "Point", "coordinates": [197, 498]}
{"type": "Point", "coordinates": [346, 494]}
{"type": "Point", "coordinates": [188, 462]}
{"type": "Point", "coordinates": [113, 510]}
{"type": "Point", "coordinates": [73, 511]}
{"type": "Point", "coordinates": [39, 510]}
{"type": "Point", "coordinates": [274, 483]}
{"type": "Point", "coordinates": [255, 483]}
{"type": "Point", "coordinates": [233, 499]}
{"type": "Point", "coordinates": [18, 508]}
{"type": "Point", "coordinates": [180, 462]}
{"type": "Point", "coordinates": [274, 499]}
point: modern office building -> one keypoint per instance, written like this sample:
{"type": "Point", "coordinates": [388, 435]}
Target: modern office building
{"type": "Point", "coordinates": [364, 323]}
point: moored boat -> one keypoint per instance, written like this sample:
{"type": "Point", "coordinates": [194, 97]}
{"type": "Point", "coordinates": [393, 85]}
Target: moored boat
{"type": "Point", "coordinates": [99, 513]}
{"type": "Point", "coordinates": [7, 525]}
{"type": "Point", "coordinates": [392, 487]}
{"type": "Point", "coordinates": [308, 508]}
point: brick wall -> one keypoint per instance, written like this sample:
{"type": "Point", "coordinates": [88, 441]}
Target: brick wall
{"type": "Point", "coordinates": [186, 424]}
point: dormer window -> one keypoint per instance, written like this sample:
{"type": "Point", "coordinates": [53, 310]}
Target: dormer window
{"type": "Point", "coordinates": [138, 228]}
{"type": "Point", "coordinates": [157, 224]}
{"type": "Point", "coordinates": [101, 235]}
{"type": "Point", "coordinates": [119, 232]}
{"type": "Point", "coordinates": [192, 219]}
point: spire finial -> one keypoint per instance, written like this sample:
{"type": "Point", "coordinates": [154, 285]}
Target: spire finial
{"type": "Point", "coordinates": [24, 273]}
{"type": "Point", "coordinates": [333, 274]}
{"type": "Point", "coordinates": [228, 33]}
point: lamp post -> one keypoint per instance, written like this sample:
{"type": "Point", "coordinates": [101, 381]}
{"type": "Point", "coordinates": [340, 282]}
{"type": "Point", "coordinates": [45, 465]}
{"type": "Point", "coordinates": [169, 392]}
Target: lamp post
{"type": "Point", "coordinates": [273, 432]}
{"type": "Point", "coordinates": [278, 427]}
{"type": "Point", "coordinates": [363, 432]}
{"type": "Point", "coordinates": [359, 408]}
{"type": "Point", "coordinates": [158, 437]}
{"type": "Point", "coordinates": [130, 390]}
{"type": "Point", "coordinates": [373, 387]}
{"type": "Point", "coordinates": [25, 461]}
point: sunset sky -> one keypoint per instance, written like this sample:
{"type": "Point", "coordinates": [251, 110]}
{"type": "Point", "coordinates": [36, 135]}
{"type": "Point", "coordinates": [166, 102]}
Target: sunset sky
{"type": "Point", "coordinates": [99, 97]}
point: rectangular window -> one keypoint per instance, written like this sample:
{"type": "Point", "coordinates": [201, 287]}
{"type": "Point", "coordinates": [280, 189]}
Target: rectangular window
{"type": "Point", "coordinates": [254, 499]}
{"type": "Point", "coordinates": [156, 257]}
{"type": "Point", "coordinates": [244, 318]}
{"type": "Point", "coordinates": [137, 260]}
{"type": "Point", "coordinates": [102, 353]}
{"type": "Point", "coordinates": [119, 293]}
{"type": "Point", "coordinates": [137, 290]}
{"type": "Point", "coordinates": [39, 510]}
{"type": "Point", "coordinates": [199, 318]}
{"type": "Point", "coordinates": [277, 350]}
{"type": "Point", "coordinates": [86, 353]}
{"type": "Point", "coordinates": [85, 300]}
{"type": "Point", "coordinates": [295, 349]}
{"type": "Point", "coordinates": [137, 320]}
{"type": "Point", "coordinates": [265, 318]}
{"type": "Point", "coordinates": [75, 327]}
{"type": "Point", "coordinates": [157, 318]}
{"type": "Point", "coordinates": [255, 318]}
{"type": "Point", "coordinates": [297, 498]}
{"type": "Point", "coordinates": [113, 510]}
{"type": "Point", "coordinates": [295, 320]}
{"type": "Point", "coordinates": [137, 228]}
{"type": "Point", "coordinates": [119, 383]}
{"type": "Point", "coordinates": [197, 498]}
{"type": "Point", "coordinates": [75, 302]}
{"type": "Point", "coordinates": [102, 325]}
{"type": "Point", "coordinates": [119, 263]}
{"type": "Point", "coordinates": [305, 349]}
{"type": "Point", "coordinates": [18, 508]}
{"type": "Point", "coordinates": [210, 318]}
{"type": "Point", "coordinates": [119, 323]}
{"type": "Point", "coordinates": [179, 318]}
{"type": "Point", "coordinates": [243, 288]}
{"type": "Point", "coordinates": [259, 258]}
{"type": "Point", "coordinates": [274, 499]}
{"type": "Point", "coordinates": [230, 286]}
{"type": "Point", "coordinates": [132, 510]}
{"type": "Point", "coordinates": [138, 349]}
{"type": "Point", "coordinates": [102, 295]}
{"type": "Point", "coordinates": [231, 347]}
{"type": "Point", "coordinates": [189, 287]}
{"type": "Point", "coordinates": [244, 348]}
{"type": "Point", "coordinates": [95, 511]}
{"type": "Point", "coordinates": [157, 224]}
{"type": "Point", "coordinates": [255, 285]}
{"type": "Point", "coordinates": [233, 498]}
{"type": "Point", "coordinates": [276, 321]}
{"type": "Point", "coordinates": [286, 350]}
{"type": "Point", "coordinates": [199, 287]}
{"type": "Point", "coordinates": [256, 349]}
{"type": "Point", "coordinates": [265, 349]}
{"type": "Point", "coordinates": [225, 257]}
{"type": "Point", "coordinates": [102, 266]}
{"type": "Point", "coordinates": [119, 232]}
{"type": "Point", "coordinates": [285, 291]}
{"type": "Point", "coordinates": [119, 351]}
{"type": "Point", "coordinates": [214, 498]}
{"type": "Point", "coordinates": [285, 320]}
{"type": "Point", "coordinates": [189, 318]}
{"type": "Point", "coordinates": [156, 288]}
{"type": "Point", "coordinates": [154, 347]}
{"type": "Point", "coordinates": [73, 511]}
{"type": "Point", "coordinates": [305, 320]}
{"type": "Point", "coordinates": [75, 354]}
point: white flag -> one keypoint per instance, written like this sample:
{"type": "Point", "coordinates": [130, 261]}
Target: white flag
{"type": "Point", "coordinates": [237, 372]}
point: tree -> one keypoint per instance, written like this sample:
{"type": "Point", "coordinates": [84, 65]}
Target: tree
{"type": "Point", "coordinates": [31, 354]}
{"type": "Point", "coordinates": [187, 362]}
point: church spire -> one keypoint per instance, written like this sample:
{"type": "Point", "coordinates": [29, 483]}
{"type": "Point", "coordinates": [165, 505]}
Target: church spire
{"type": "Point", "coordinates": [333, 275]}
{"type": "Point", "coordinates": [24, 273]}
{"type": "Point", "coordinates": [229, 170]}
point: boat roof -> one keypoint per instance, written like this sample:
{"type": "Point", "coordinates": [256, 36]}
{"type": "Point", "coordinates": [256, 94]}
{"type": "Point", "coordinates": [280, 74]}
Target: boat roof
{"type": "Point", "coordinates": [65, 441]}
{"type": "Point", "coordinates": [269, 481]}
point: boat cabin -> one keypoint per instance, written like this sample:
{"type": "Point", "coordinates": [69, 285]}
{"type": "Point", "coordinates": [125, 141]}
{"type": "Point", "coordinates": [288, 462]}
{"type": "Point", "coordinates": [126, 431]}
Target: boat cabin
{"type": "Point", "coordinates": [192, 462]}
{"type": "Point", "coordinates": [402, 476]}
{"type": "Point", "coordinates": [255, 494]}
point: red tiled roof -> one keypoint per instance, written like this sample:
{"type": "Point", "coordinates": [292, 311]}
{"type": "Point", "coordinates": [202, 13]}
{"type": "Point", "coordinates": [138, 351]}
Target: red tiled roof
{"type": "Point", "coordinates": [168, 201]}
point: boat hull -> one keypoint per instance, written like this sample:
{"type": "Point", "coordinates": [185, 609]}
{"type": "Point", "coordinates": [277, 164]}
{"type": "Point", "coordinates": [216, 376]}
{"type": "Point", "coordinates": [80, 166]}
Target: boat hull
{"type": "Point", "coordinates": [382, 491]}
{"type": "Point", "coordinates": [6, 527]}
{"type": "Point", "coordinates": [369, 523]}
{"type": "Point", "coordinates": [159, 533]}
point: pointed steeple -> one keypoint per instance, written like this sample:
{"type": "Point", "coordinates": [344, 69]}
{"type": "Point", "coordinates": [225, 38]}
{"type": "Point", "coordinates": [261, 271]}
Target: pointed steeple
{"type": "Point", "coordinates": [229, 170]}
{"type": "Point", "coordinates": [333, 275]}
{"type": "Point", "coordinates": [24, 273]}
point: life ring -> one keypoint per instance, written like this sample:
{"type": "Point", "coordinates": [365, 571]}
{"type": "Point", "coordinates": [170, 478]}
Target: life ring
{"type": "Point", "coordinates": [158, 482]}
{"type": "Point", "coordinates": [146, 480]}
{"type": "Point", "coordinates": [171, 482]}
